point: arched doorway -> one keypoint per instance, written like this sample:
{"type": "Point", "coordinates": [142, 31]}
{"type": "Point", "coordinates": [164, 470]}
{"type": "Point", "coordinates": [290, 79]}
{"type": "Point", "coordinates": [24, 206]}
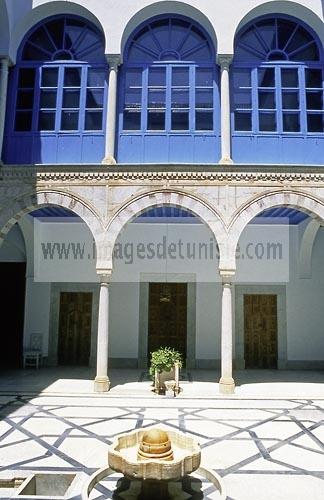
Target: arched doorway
{"type": "Point", "coordinates": [165, 288]}
{"type": "Point", "coordinates": [279, 284]}
{"type": "Point", "coordinates": [58, 278]}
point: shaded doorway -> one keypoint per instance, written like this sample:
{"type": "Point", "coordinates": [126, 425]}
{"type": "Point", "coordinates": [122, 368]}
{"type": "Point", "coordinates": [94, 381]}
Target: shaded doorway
{"type": "Point", "coordinates": [12, 300]}
{"type": "Point", "coordinates": [74, 328]}
{"type": "Point", "coordinates": [167, 322]}
{"type": "Point", "coordinates": [260, 331]}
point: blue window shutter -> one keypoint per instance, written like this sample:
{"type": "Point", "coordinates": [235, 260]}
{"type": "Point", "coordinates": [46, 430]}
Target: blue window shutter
{"type": "Point", "coordinates": [285, 126]}
{"type": "Point", "coordinates": [64, 42]}
{"type": "Point", "coordinates": [171, 118]}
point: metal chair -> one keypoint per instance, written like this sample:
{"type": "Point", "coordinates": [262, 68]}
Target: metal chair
{"type": "Point", "coordinates": [32, 356]}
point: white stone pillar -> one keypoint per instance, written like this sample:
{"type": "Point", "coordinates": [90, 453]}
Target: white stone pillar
{"type": "Point", "coordinates": [113, 61]}
{"type": "Point", "coordinates": [102, 383]}
{"type": "Point", "coordinates": [226, 383]}
{"type": "Point", "coordinates": [224, 61]}
{"type": "Point", "coordinates": [3, 98]}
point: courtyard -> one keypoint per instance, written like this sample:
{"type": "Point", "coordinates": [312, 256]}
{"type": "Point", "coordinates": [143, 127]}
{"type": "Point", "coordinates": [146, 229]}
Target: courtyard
{"type": "Point", "coordinates": [54, 423]}
{"type": "Point", "coordinates": [162, 185]}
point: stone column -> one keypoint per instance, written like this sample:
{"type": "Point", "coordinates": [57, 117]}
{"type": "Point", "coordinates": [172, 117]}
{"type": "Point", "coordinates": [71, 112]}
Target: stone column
{"type": "Point", "coordinates": [102, 383]}
{"type": "Point", "coordinates": [226, 383]}
{"type": "Point", "coordinates": [224, 61]}
{"type": "Point", "coordinates": [3, 98]}
{"type": "Point", "coordinates": [113, 61]}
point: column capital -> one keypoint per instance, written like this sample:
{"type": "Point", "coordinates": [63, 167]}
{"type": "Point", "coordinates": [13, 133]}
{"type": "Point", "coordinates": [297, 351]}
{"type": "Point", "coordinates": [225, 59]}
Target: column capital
{"type": "Point", "coordinates": [5, 62]}
{"type": "Point", "coordinates": [105, 276]}
{"type": "Point", "coordinates": [114, 60]}
{"type": "Point", "coordinates": [225, 60]}
{"type": "Point", "coordinates": [227, 276]}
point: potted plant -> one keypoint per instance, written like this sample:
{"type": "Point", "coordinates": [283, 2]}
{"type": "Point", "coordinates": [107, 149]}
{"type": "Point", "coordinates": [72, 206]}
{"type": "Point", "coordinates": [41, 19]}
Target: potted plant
{"type": "Point", "coordinates": [165, 365]}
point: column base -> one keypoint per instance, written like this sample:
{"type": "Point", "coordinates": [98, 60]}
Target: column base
{"type": "Point", "coordinates": [226, 385]}
{"type": "Point", "coordinates": [101, 384]}
{"type": "Point", "coordinates": [109, 160]}
{"type": "Point", "coordinates": [226, 161]}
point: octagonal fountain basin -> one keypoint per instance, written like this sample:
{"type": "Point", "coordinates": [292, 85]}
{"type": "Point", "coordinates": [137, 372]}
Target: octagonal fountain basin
{"type": "Point", "coordinates": [156, 464]}
{"type": "Point", "coordinates": [154, 453]}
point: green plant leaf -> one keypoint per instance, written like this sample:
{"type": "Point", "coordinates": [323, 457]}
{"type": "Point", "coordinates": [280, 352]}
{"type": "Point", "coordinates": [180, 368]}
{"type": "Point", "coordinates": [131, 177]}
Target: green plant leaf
{"type": "Point", "coordinates": [163, 359]}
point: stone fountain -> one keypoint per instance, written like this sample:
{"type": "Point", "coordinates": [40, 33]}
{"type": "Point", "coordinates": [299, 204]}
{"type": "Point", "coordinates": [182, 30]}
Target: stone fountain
{"type": "Point", "coordinates": [153, 460]}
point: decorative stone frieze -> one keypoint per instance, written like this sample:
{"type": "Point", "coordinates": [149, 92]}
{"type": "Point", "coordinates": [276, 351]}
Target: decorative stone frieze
{"type": "Point", "coordinates": [62, 174]}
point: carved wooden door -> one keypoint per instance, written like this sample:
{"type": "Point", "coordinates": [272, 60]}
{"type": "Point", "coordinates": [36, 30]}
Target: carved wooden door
{"type": "Point", "coordinates": [167, 325]}
{"type": "Point", "coordinates": [74, 328]}
{"type": "Point", "coordinates": [260, 331]}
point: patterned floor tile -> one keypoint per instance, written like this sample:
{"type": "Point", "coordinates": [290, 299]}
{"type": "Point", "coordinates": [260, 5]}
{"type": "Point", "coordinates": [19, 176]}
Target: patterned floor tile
{"type": "Point", "coordinates": [264, 449]}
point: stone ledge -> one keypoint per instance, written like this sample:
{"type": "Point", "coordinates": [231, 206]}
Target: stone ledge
{"type": "Point", "coordinates": [243, 173]}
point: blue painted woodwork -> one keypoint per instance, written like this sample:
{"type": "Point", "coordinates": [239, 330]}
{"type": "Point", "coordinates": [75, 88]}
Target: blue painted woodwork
{"type": "Point", "coordinates": [172, 214]}
{"type": "Point", "coordinates": [169, 99]}
{"type": "Point", "coordinates": [54, 212]}
{"type": "Point", "coordinates": [280, 215]}
{"type": "Point", "coordinates": [277, 94]}
{"type": "Point", "coordinates": [58, 92]}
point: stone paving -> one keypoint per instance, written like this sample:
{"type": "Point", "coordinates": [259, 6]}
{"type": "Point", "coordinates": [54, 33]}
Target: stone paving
{"type": "Point", "coordinates": [195, 383]}
{"type": "Point", "coordinates": [265, 449]}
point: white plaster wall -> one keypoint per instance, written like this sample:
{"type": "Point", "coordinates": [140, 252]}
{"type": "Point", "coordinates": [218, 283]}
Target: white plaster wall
{"type": "Point", "coordinates": [208, 321]}
{"type": "Point", "coordinates": [4, 28]}
{"type": "Point", "coordinates": [171, 244]}
{"type": "Point", "coordinates": [69, 267]}
{"type": "Point", "coordinates": [304, 299]}
{"type": "Point", "coordinates": [13, 247]}
{"type": "Point", "coordinates": [305, 306]}
{"type": "Point", "coordinates": [37, 312]}
{"type": "Point", "coordinates": [124, 320]}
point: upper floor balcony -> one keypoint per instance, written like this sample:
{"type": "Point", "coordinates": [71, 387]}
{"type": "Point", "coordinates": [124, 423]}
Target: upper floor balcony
{"type": "Point", "coordinates": [168, 98]}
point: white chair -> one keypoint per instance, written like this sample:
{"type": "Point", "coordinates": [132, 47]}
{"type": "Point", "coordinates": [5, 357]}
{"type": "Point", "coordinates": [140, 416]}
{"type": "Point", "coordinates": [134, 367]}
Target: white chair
{"type": "Point", "coordinates": [32, 355]}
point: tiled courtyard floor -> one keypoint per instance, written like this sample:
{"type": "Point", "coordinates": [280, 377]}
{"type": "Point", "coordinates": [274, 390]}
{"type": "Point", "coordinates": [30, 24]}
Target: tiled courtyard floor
{"type": "Point", "coordinates": [265, 449]}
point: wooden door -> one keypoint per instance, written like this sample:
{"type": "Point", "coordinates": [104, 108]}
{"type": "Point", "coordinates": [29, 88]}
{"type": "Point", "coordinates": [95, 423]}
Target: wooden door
{"type": "Point", "coordinates": [74, 328]}
{"type": "Point", "coordinates": [260, 331]}
{"type": "Point", "coordinates": [167, 325]}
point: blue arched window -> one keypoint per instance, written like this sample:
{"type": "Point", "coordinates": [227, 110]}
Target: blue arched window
{"type": "Point", "coordinates": [277, 100]}
{"type": "Point", "coordinates": [58, 95]}
{"type": "Point", "coordinates": [169, 108]}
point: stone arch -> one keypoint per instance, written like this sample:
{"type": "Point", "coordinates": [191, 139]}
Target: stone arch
{"type": "Point", "coordinates": [306, 248]}
{"type": "Point", "coordinates": [167, 7]}
{"type": "Point", "coordinates": [288, 8]}
{"type": "Point", "coordinates": [295, 199]}
{"type": "Point", "coordinates": [43, 11]}
{"type": "Point", "coordinates": [136, 206]}
{"type": "Point", "coordinates": [27, 203]}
